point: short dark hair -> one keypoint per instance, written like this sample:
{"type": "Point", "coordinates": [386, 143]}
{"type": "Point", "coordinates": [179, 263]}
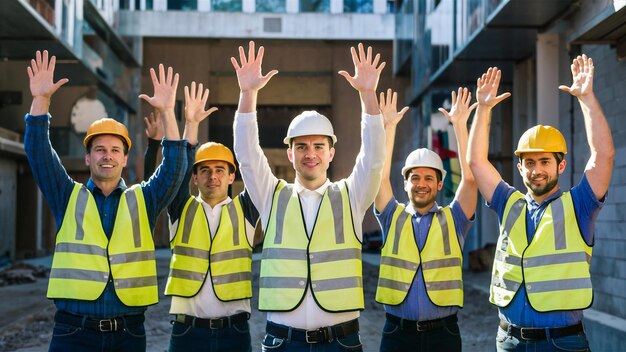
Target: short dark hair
{"type": "Point", "coordinates": [231, 169]}
{"type": "Point", "coordinates": [438, 172]}
{"type": "Point", "coordinates": [557, 156]}
{"type": "Point", "coordinates": [88, 146]}
{"type": "Point", "coordinates": [330, 142]}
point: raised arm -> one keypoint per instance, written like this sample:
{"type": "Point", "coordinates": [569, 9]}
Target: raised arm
{"type": "Point", "coordinates": [600, 164]}
{"type": "Point", "coordinates": [459, 114]}
{"type": "Point", "coordinates": [249, 76]}
{"type": "Point", "coordinates": [195, 102]}
{"type": "Point", "coordinates": [42, 86]}
{"type": "Point", "coordinates": [164, 99]}
{"type": "Point", "coordinates": [154, 132]}
{"type": "Point", "coordinates": [391, 116]}
{"type": "Point", "coordinates": [486, 175]}
{"type": "Point", "coordinates": [365, 79]}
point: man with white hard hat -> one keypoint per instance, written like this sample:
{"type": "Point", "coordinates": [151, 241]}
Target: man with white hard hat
{"type": "Point", "coordinates": [420, 280]}
{"type": "Point", "coordinates": [311, 283]}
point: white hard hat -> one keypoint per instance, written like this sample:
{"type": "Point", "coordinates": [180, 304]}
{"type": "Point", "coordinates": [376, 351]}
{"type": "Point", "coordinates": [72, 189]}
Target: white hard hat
{"type": "Point", "coordinates": [310, 123]}
{"type": "Point", "coordinates": [423, 157]}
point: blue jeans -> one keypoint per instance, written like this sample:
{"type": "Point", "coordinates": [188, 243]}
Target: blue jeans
{"type": "Point", "coordinates": [231, 339]}
{"type": "Point", "coordinates": [506, 343]}
{"type": "Point", "coordinates": [446, 338]}
{"type": "Point", "coordinates": [68, 338]}
{"type": "Point", "coordinates": [347, 343]}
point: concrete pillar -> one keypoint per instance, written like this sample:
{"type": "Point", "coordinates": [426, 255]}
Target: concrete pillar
{"type": "Point", "coordinates": [336, 6]}
{"type": "Point", "coordinates": [293, 6]}
{"type": "Point", "coordinates": [204, 5]}
{"type": "Point", "coordinates": [160, 5]}
{"type": "Point", "coordinates": [548, 79]}
{"type": "Point", "coordinates": [380, 6]}
{"type": "Point", "coordinates": [248, 6]}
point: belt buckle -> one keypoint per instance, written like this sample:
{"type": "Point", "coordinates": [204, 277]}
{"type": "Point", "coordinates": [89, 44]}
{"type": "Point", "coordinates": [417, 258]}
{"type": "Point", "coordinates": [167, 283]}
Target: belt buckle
{"type": "Point", "coordinates": [111, 327]}
{"type": "Point", "coordinates": [528, 331]}
{"type": "Point", "coordinates": [306, 336]}
{"type": "Point", "coordinates": [421, 327]}
{"type": "Point", "coordinates": [215, 324]}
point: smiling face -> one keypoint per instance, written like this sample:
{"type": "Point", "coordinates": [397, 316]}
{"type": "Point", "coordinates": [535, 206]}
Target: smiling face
{"type": "Point", "coordinates": [540, 172]}
{"type": "Point", "coordinates": [106, 158]}
{"type": "Point", "coordinates": [212, 179]}
{"type": "Point", "coordinates": [422, 187]}
{"type": "Point", "coordinates": [311, 157]}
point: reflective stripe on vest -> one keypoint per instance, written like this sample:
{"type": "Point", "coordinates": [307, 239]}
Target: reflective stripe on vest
{"type": "Point", "coordinates": [554, 265]}
{"type": "Point", "coordinates": [332, 258]}
{"type": "Point", "coordinates": [80, 268]}
{"type": "Point", "coordinates": [441, 260]}
{"type": "Point", "coordinates": [131, 255]}
{"type": "Point", "coordinates": [229, 252]}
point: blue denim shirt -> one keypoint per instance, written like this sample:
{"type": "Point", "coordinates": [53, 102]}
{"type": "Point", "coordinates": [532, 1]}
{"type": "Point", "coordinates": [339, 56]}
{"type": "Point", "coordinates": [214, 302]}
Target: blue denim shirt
{"type": "Point", "coordinates": [56, 186]}
{"type": "Point", "coordinates": [417, 305]}
{"type": "Point", "coordinates": [587, 206]}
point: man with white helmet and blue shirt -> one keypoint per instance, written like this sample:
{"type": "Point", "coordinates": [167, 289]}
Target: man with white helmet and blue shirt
{"type": "Point", "coordinates": [420, 281]}
{"type": "Point", "coordinates": [310, 281]}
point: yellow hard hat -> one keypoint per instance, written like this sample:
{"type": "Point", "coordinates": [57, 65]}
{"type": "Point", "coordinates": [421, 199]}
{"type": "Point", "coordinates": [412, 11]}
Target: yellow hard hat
{"type": "Point", "coordinates": [211, 151]}
{"type": "Point", "coordinates": [107, 126]}
{"type": "Point", "coordinates": [541, 139]}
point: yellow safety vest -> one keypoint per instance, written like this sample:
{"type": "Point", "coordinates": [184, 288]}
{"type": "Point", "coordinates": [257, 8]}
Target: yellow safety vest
{"type": "Point", "coordinates": [330, 261]}
{"type": "Point", "coordinates": [84, 256]}
{"type": "Point", "coordinates": [441, 260]}
{"type": "Point", "coordinates": [228, 256]}
{"type": "Point", "coordinates": [554, 267]}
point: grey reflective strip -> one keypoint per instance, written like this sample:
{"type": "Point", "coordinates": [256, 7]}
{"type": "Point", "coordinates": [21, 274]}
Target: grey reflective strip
{"type": "Point", "coordinates": [131, 257]}
{"type": "Point", "coordinates": [282, 282]}
{"type": "Point", "coordinates": [444, 285]}
{"type": "Point", "coordinates": [79, 274]}
{"type": "Point", "coordinates": [507, 258]}
{"type": "Point", "coordinates": [230, 278]}
{"type": "Point", "coordinates": [560, 258]}
{"type": "Point", "coordinates": [187, 275]}
{"type": "Point", "coordinates": [337, 284]}
{"type": "Point", "coordinates": [399, 225]}
{"type": "Point", "coordinates": [398, 263]}
{"type": "Point", "coordinates": [136, 282]}
{"type": "Point", "coordinates": [441, 263]}
{"type": "Point", "coordinates": [443, 223]}
{"type": "Point", "coordinates": [80, 248]}
{"type": "Point", "coordinates": [558, 219]}
{"type": "Point", "coordinates": [281, 209]}
{"type": "Point", "coordinates": [79, 212]}
{"type": "Point", "coordinates": [514, 214]}
{"type": "Point", "coordinates": [336, 205]}
{"type": "Point", "coordinates": [504, 283]}
{"type": "Point", "coordinates": [131, 200]}
{"type": "Point", "coordinates": [284, 253]}
{"type": "Point", "coordinates": [228, 255]}
{"type": "Point", "coordinates": [334, 255]}
{"type": "Point", "coordinates": [392, 284]}
{"type": "Point", "coordinates": [558, 285]}
{"type": "Point", "coordinates": [189, 216]}
{"type": "Point", "coordinates": [191, 252]}
{"type": "Point", "coordinates": [234, 220]}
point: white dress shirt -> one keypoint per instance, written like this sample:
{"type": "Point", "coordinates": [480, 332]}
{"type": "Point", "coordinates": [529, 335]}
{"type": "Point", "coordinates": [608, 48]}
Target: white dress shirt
{"type": "Point", "coordinates": [363, 185]}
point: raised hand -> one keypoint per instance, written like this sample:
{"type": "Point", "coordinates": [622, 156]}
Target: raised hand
{"type": "Point", "coordinates": [366, 70]}
{"type": "Point", "coordinates": [165, 86]}
{"type": "Point", "coordinates": [195, 101]}
{"type": "Point", "coordinates": [389, 108]}
{"type": "Point", "coordinates": [248, 69]}
{"type": "Point", "coordinates": [461, 110]}
{"type": "Point", "coordinates": [40, 73]}
{"type": "Point", "coordinates": [487, 88]}
{"type": "Point", "coordinates": [154, 129]}
{"type": "Point", "coordinates": [582, 77]}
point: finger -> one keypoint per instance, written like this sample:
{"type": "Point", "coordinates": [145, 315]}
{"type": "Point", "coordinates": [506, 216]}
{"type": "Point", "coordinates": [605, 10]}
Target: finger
{"type": "Point", "coordinates": [193, 91]}
{"type": "Point", "coordinates": [44, 63]}
{"type": "Point", "coordinates": [496, 81]}
{"type": "Point", "coordinates": [259, 56]}
{"type": "Point", "coordinates": [469, 98]}
{"type": "Point", "coordinates": [355, 57]}
{"type": "Point", "coordinates": [591, 67]}
{"type": "Point", "coordinates": [235, 63]}
{"type": "Point", "coordinates": [38, 59]}
{"type": "Point", "coordinates": [52, 64]}
{"type": "Point", "coordinates": [251, 51]}
{"type": "Point", "coordinates": [59, 84]}
{"type": "Point", "coordinates": [161, 73]}
{"type": "Point", "coordinates": [242, 56]}
{"type": "Point", "coordinates": [33, 64]}
{"type": "Point", "coordinates": [389, 97]}
{"type": "Point", "coordinates": [200, 91]}
{"type": "Point", "coordinates": [346, 75]}
{"type": "Point", "coordinates": [211, 110]}
{"type": "Point", "coordinates": [376, 59]}
{"type": "Point", "coordinates": [368, 58]}
{"type": "Point", "coordinates": [472, 107]}
{"type": "Point", "coordinates": [187, 95]}
{"type": "Point", "coordinates": [153, 76]}
{"type": "Point", "coordinates": [403, 111]}
{"type": "Point", "coordinates": [145, 97]}
{"type": "Point", "coordinates": [445, 113]}
{"type": "Point", "coordinates": [381, 101]}
{"type": "Point", "coordinates": [502, 96]}
{"type": "Point", "coordinates": [152, 118]}
{"type": "Point", "coordinates": [175, 83]}
{"type": "Point", "coordinates": [565, 89]}
{"type": "Point", "coordinates": [170, 74]}
{"type": "Point", "coordinates": [205, 96]}
{"type": "Point", "coordinates": [453, 94]}
{"type": "Point", "coordinates": [380, 68]}
{"type": "Point", "coordinates": [466, 96]}
{"type": "Point", "coordinates": [394, 100]}
{"type": "Point", "coordinates": [362, 57]}
{"type": "Point", "coordinates": [147, 122]}
{"type": "Point", "coordinates": [30, 72]}
{"type": "Point", "coordinates": [574, 68]}
{"type": "Point", "coordinates": [270, 74]}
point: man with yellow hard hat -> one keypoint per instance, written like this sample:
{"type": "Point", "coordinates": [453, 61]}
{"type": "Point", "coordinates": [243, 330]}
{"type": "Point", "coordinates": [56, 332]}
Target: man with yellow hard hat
{"type": "Point", "coordinates": [103, 273]}
{"type": "Point", "coordinates": [310, 282]}
{"type": "Point", "coordinates": [541, 281]}
{"type": "Point", "coordinates": [212, 236]}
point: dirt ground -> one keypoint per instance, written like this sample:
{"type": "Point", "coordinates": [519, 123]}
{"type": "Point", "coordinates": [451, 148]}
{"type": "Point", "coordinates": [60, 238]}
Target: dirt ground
{"type": "Point", "coordinates": [26, 317]}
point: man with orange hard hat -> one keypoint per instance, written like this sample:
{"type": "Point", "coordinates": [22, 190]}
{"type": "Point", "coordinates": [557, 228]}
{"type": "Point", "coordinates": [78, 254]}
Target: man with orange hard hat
{"type": "Point", "coordinates": [212, 235]}
{"type": "Point", "coordinates": [541, 280]}
{"type": "Point", "coordinates": [103, 273]}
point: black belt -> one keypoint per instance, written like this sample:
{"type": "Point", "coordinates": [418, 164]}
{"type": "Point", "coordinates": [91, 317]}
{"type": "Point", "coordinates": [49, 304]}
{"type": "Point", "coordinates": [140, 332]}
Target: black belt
{"type": "Point", "coordinates": [101, 325]}
{"type": "Point", "coordinates": [540, 333]}
{"type": "Point", "coordinates": [324, 334]}
{"type": "Point", "coordinates": [214, 323]}
{"type": "Point", "coordinates": [421, 326]}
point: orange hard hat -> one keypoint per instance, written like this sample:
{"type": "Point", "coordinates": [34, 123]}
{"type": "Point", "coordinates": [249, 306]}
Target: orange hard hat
{"type": "Point", "coordinates": [212, 151]}
{"type": "Point", "coordinates": [541, 139]}
{"type": "Point", "coordinates": [107, 126]}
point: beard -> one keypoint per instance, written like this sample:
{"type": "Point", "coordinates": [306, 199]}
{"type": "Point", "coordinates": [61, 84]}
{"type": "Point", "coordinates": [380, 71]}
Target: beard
{"type": "Point", "coordinates": [421, 203]}
{"type": "Point", "coordinates": [542, 190]}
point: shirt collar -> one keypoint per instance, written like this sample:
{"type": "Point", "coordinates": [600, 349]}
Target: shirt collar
{"type": "Point", "coordinates": [225, 201]}
{"type": "Point", "coordinates": [411, 210]}
{"type": "Point", "coordinates": [320, 190]}
{"type": "Point", "coordinates": [91, 186]}
{"type": "Point", "coordinates": [530, 200]}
